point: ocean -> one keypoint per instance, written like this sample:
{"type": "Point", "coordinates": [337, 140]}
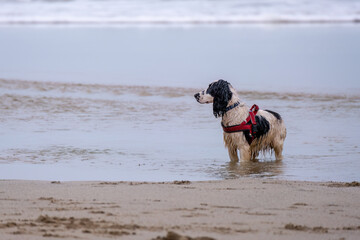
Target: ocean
{"type": "Point", "coordinates": [103, 90]}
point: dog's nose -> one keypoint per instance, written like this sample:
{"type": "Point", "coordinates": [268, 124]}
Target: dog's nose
{"type": "Point", "coordinates": [197, 96]}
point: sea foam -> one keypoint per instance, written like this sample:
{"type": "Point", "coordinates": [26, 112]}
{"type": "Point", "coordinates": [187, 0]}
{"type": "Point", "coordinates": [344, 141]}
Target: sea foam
{"type": "Point", "coordinates": [177, 11]}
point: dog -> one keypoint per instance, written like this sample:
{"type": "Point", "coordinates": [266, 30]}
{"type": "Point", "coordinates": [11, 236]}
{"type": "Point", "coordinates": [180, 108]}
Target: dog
{"type": "Point", "coordinates": [250, 131]}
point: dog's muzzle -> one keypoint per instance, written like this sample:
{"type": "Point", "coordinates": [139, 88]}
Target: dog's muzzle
{"type": "Point", "coordinates": [197, 96]}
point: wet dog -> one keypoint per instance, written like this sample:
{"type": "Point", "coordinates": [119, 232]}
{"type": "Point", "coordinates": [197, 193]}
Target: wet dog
{"type": "Point", "coordinates": [267, 135]}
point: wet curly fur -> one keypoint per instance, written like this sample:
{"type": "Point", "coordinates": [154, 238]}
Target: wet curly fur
{"type": "Point", "coordinates": [271, 128]}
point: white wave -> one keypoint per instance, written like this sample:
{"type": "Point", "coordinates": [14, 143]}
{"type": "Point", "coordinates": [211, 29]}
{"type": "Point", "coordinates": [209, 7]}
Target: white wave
{"type": "Point", "coordinates": [178, 11]}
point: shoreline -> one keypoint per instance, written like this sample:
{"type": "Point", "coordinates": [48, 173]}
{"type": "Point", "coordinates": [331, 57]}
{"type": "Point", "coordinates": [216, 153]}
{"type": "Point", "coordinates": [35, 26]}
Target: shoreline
{"type": "Point", "coordinates": [162, 90]}
{"type": "Point", "coordinates": [227, 209]}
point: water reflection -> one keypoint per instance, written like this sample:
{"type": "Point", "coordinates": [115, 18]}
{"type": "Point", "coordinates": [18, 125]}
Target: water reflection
{"type": "Point", "coordinates": [251, 168]}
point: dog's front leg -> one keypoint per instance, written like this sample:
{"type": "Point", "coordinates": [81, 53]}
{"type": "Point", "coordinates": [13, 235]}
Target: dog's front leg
{"type": "Point", "coordinates": [278, 152]}
{"type": "Point", "coordinates": [233, 154]}
{"type": "Point", "coordinates": [245, 153]}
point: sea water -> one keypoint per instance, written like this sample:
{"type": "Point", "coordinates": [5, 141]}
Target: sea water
{"type": "Point", "coordinates": [66, 131]}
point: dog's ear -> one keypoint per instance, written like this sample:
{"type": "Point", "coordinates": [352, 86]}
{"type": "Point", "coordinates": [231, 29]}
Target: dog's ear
{"type": "Point", "coordinates": [222, 94]}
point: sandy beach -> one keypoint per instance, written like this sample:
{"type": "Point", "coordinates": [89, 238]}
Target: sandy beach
{"type": "Point", "coordinates": [230, 209]}
{"type": "Point", "coordinates": [101, 137]}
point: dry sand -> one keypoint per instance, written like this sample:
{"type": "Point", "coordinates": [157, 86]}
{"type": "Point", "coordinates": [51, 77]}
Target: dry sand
{"type": "Point", "coordinates": [230, 209]}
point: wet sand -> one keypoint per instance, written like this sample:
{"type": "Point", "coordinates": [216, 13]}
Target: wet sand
{"type": "Point", "coordinates": [229, 209]}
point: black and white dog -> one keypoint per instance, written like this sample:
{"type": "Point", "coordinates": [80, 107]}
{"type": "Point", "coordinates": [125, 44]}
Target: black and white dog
{"type": "Point", "coordinates": [249, 131]}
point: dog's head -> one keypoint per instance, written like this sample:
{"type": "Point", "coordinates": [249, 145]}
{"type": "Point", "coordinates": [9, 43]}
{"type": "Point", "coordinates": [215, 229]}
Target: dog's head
{"type": "Point", "coordinates": [218, 93]}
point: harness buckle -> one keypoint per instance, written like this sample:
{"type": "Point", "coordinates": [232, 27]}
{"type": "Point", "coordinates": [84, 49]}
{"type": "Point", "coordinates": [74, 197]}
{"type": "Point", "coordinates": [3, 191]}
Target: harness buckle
{"type": "Point", "coordinates": [254, 109]}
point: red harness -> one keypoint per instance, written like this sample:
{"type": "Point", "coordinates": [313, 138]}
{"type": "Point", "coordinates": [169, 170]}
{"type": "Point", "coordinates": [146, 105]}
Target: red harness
{"type": "Point", "coordinates": [248, 125]}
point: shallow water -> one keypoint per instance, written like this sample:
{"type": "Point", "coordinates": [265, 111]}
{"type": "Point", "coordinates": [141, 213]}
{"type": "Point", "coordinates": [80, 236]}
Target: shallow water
{"type": "Point", "coordinates": [132, 115]}
{"type": "Point", "coordinates": [65, 131]}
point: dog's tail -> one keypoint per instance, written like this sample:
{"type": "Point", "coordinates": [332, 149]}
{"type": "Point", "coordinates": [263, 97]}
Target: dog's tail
{"type": "Point", "coordinates": [278, 117]}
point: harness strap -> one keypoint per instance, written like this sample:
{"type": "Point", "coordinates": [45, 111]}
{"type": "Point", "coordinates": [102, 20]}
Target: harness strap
{"type": "Point", "coordinates": [248, 125]}
{"type": "Point", "coordinates": [236, 128]}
